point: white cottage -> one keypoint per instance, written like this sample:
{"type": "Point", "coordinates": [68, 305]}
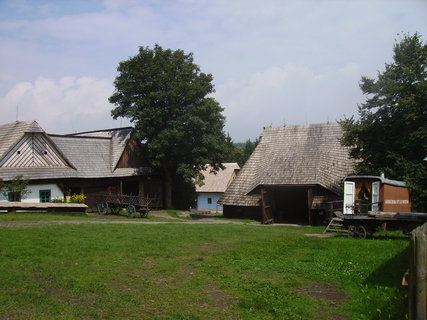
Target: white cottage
{"type": "Point", "coordinates": [92, 163]}
{"type": "Point", "coordinates": [214, 186]}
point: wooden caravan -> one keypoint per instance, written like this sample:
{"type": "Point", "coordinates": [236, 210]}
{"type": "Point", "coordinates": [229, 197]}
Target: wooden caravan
{"type": "Point", "coordinates": [375, 193]}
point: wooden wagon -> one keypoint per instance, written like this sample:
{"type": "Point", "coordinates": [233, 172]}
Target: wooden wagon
{"type": "Point", "coordinates": [114, 203]}
{"type": "Point", "coordinates": [371, 202]}
{"type": "Point", "coordinates": [364, 224]}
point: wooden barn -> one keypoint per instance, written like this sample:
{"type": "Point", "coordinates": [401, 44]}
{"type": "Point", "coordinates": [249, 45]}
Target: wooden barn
{"type": "Point", "coordinates": [214, 185]}
{"type": "Point", "coordinates": [291, 175]}
{"type": "Point", "coordinates": [91, 163]}
{"type": "Point", "coordinates": [375, 193]}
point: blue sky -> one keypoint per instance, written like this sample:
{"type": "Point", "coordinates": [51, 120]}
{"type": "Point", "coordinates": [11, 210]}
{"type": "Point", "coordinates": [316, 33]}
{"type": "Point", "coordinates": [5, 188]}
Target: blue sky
{"type": "Point", "coordinates": [274, 62]}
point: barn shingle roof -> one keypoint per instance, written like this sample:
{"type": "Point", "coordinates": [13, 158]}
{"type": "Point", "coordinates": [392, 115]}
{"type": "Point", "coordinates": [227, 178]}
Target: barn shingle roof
{"type": "Point", "coordinates": [289, 156]}
{"type": "Point", "coordinates": [217, 181]}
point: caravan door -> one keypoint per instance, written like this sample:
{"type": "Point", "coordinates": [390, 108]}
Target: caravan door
{"type": "Point", "coordinates": [375, 196]}
{"type": "Point", "coordinates": [349, 193]}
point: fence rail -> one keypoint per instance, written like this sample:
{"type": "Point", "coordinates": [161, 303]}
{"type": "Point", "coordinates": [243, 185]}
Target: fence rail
{"type": "Point", "coordinates": [417, 295]}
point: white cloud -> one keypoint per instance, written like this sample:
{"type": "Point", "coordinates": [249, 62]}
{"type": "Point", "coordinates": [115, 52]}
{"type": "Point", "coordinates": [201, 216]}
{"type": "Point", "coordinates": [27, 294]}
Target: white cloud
{"type": "Point", "coordinates": [289, 94]}
{"type": "Point", "coordinates": [273, 61]}
{"type": "Point", "coordinates": [67, 105]}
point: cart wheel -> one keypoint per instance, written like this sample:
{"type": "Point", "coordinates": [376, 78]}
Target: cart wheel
{"type": "Point", "coordinates": [131, 211]}
{"type": "Point", "coordinates": [144, 213]}
{"type": "Point", "coordinates": [102, 207]}
{"type": "Point", "coordinates": [358, 231]}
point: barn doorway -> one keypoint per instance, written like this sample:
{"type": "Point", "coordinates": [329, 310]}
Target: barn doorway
{"type": "Point", "coordinates": [290, 204]}
{"type": "Point", "coordinates": [130, 188]}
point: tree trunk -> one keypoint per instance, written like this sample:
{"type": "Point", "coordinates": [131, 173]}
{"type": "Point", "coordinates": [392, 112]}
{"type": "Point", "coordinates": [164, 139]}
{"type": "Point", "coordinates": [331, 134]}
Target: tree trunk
{"type": "Point", "coordinates": [167, 183]}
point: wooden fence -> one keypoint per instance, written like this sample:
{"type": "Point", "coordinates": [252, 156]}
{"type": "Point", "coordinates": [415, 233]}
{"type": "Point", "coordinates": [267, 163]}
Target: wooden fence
{"type": "Point", "coordinates": [417, 295]}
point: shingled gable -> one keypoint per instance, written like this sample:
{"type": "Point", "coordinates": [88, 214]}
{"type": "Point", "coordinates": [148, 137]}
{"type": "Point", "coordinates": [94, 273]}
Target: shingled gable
{"type": "Point", "coordinates": [26, 145]}
{"type": "Point", "coordinates": [306, 155]}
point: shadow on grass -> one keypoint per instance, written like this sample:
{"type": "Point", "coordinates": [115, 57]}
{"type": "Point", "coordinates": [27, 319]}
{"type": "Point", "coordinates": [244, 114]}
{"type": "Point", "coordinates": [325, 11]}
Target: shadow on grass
{"type": "Point", "coordinates": [386, 235]}
{"type": "Point", "coordinates": [390, 273]}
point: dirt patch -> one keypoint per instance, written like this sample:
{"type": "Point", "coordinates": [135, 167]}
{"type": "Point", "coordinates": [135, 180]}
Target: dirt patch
{"type": "Point", "coordinates": [320, 235]}
{"type": "Point", "coordinates": [325, 291]}
{"type": "Point", "coordinates": [219, 300]}
{"type": "Point", "coordinates": [329, 293]}
{"type": "Point", "coordinates": [164, 215]}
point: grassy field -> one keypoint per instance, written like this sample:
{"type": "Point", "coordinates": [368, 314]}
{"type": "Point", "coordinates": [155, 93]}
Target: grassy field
{"type": "Point", "coordinates": [184, 271]}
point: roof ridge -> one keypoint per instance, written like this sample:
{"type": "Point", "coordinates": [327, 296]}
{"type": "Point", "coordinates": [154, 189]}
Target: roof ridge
{"type": "Point", "coordinates": [100, 130]}
{"type": "Point", "coordinates": [78, 137]}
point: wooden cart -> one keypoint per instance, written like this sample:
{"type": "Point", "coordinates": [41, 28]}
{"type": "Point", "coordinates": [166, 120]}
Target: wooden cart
{"type": "Point", "coordinates": [114, 203]}
{"type": "Point", "coordinates": [361, 225]}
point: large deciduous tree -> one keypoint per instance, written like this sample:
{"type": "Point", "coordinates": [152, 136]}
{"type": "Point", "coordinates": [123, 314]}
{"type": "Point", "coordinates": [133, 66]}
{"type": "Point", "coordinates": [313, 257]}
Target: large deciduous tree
{"type": "Point", "coordinates": [166, 96]}
{"type": "Point", "coordinates": [390, 135]}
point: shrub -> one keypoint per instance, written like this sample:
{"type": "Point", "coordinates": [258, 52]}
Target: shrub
{"type": "Point", "coordinates": [78, 198]}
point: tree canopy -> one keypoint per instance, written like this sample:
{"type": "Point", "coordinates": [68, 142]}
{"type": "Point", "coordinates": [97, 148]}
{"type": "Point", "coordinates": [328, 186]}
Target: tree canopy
{"type": "Point", "coordinates": [390, 135]}
{"type": "Point", "coordinates": [166, 96]}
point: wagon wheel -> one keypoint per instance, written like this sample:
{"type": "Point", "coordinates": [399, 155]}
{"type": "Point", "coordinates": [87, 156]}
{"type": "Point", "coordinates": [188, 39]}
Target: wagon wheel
{"type": "Point", "coordinates": [131, 211]}
{"type": "Point", "coordinates": [358, 231]}
{"type": "Point", "coordinates": [144, 213]}
{"type": "Point", "coordinates": [102, 207]}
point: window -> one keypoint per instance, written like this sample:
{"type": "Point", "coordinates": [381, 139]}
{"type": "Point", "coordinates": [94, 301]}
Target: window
{"type": "Point", "coordinates": [44, 195]}
{"type": "Point", "coordinates": [209, 200]}
{"type": "Point", "coordinates": [14, 196]}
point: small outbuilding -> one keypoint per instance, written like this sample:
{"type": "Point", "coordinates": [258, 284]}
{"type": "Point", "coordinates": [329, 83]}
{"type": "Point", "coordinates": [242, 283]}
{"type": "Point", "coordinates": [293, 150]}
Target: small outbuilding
{"type": "Point", "coordinates": [363, 193]}
{"type": "Point", "coordinates": [214, 185]}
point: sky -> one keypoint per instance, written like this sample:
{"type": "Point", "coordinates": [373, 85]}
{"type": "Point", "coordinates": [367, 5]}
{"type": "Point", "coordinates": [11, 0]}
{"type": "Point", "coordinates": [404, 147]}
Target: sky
{"type": "Point", "coordinates": [274, 62]}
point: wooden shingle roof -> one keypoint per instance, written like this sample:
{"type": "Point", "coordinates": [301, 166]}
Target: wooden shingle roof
{"type": "Point", "coordinates": [10, 133]}
{"type": "Point", "coordinates": [217, 181]}
{"type": "Point", "coordinates": [305, 155]}
{"type": "Point", "coordinates": [119, 137]}
{"type": "Point", "coordinates": [87, 155]}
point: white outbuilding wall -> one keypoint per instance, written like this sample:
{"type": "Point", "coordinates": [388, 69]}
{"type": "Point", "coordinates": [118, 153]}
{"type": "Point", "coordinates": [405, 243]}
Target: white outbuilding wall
{"type": "Point", "coordinates": [209, 201]}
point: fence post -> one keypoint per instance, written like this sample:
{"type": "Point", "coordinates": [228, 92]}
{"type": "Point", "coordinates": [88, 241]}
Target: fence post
{"type": "Point", "coordinates": [417, 294]}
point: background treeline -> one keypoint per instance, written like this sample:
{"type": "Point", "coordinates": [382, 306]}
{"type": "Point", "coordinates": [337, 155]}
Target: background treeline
{"type": "Point", "coordinates": [241, 151]}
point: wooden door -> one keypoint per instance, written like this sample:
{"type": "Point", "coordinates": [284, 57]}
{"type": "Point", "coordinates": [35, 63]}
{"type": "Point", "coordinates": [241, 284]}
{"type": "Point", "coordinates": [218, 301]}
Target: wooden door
{"type": "Point", "coordinates": [267, 215]}
{"type": "Point", "coordinates": [375, 196]}
{"type": "Point", "coordinates": [349, 194]}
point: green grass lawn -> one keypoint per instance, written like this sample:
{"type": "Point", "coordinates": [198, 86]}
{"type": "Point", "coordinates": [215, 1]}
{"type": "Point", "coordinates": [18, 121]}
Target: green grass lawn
{"type": "Point", "coordinates": [183, 271]}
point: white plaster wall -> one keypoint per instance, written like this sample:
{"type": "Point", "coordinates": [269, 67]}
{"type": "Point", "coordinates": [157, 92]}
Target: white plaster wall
{"type": "Point", "coordinates": [202, 201]}
{"type": "Point", "coordinates": [55, 192]}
